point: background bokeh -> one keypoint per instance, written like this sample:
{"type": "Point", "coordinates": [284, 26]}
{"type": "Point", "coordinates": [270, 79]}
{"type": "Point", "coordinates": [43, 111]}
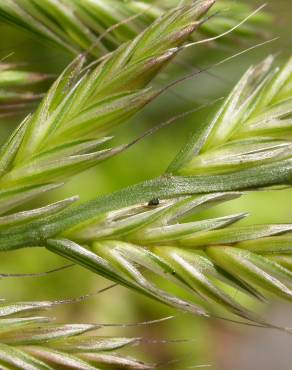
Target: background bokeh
{"type": "Point", "coordinates": [221, 345]}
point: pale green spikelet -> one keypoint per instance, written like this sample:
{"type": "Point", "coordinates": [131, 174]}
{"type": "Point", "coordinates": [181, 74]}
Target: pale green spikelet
{"type": "Point", "coordinates": [123, 242]}
{"type": "Point", "coordinates": [12, 77]}
{"type": "Point", "coordinates": [198, 256]}
{"type": "Point", "coordinates": [125, 235]}
{"type": "Point", "coordinates": [14, 83]}
{"type": "Point", "coordinates": [76, 25]}
{"type": "Point", "coordinates": [64, 135]}
{"type": "Point", "coordinates": [29, 340]}
{"type": "Point", "coordinates": [252, 128]}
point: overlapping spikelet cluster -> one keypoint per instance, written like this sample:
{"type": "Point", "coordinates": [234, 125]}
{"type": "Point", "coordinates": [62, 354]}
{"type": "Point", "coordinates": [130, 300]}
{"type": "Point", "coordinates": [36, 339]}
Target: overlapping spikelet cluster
{"type": "Point", "coordinates": [125, 234]}
{"type": "Point", "coordinates": [68, 131]}
{"type": "Point", "coordinates": [61, 138]}
{"type": "Point", "coordinates": [122, 235]}
{"type": "Point", "coordinates": [30, 340]}
{"type": "Point", "coordinates": [251, 131]}
{"type": "Point", "coordinates": [76, 25]}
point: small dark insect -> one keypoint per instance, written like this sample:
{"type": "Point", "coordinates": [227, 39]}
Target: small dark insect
{"type": "Point", "coordinates": [153, 202]}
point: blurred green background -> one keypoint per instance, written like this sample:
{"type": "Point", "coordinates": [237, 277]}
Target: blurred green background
{"type": "Point", "coordinates": [221, 345]}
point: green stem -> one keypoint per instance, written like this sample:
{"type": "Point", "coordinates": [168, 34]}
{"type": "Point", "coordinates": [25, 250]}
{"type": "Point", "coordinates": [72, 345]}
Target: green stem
{"type": "Point", "coordinates": [36, 233]}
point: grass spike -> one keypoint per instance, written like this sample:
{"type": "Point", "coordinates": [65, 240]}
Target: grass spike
{"type": "Point", "coordinates": [80, 109]}
{"type": "Point", "coordinates": [78, 25]}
